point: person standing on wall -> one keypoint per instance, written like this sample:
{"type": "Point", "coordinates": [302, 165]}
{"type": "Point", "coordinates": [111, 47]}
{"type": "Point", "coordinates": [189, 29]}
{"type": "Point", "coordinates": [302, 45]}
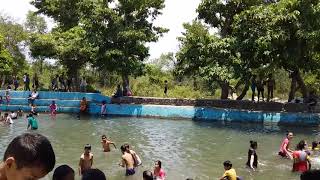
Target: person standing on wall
{"type": "Point", "coordinates": [166, 88]}
{"type": "Point", "coordinates": [260, 88]}
{"type": "Point", "coordinates": [15, 82]}
{"type": "Point", "coordinates": [83, 85]}
{"type": "Point", "coordinates": [271, 85]}
{"type": "Point", "coordinates": [253, 86]}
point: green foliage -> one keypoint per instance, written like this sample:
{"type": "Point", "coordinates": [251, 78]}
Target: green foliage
{"type": "Point", "coordinates": [14, 37]}
{"type": "Point", "coordinates": [6, 59]}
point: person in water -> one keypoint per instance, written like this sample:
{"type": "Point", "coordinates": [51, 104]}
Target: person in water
{"type": "Point", "coordinates": [158, 172]}
{"type": "Point", "coordinates": [86, 159]}
{"type": "Point", "coordinates": [104, 108]}
{"type": "Point", "coordinates": [147, 175]}
{"type": "Point", "coordinates": [105, 142]}
{"type": "Point", "coordinates": [314, 146]}
{"type": "Point", "coordinates": [93, 174]}
{"type": "Point", "coordinates": [285, 150]}
{"type": "Point", "coordinates": [29, 156]}
{"type": "Point", "coordinates": [229, 172]}
{"type": "Point", "coordinates": [7, 118]}
{"type": "Point", "coordinates": [252, 162]}
{"type": "Point", "coordinates": [63, 172]}
{"type": "Point", "coordinates": [32, 122]}
{"type": "Point", "coordinates": [127, 161]}
{"type": "Point", "coordinates": [310, 175]}
{"type": "Point", "coordinates": [301, 159]}
{"type": "Point", "coordinates": [53, 108]}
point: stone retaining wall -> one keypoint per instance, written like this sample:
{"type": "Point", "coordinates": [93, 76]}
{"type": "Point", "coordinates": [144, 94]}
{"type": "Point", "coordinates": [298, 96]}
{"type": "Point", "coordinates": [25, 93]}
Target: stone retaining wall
{"type": "Point", "coordinates": [224, 104]}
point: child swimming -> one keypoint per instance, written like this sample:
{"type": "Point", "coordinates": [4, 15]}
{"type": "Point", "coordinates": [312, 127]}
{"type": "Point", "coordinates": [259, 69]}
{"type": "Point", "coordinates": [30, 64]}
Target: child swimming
{"type": "Point", "coordinates": [103, 108]}
{"type": "Point", "coordinates": [127, 161]}
{"type": "Point", "coordinates": [158, 172]}
{"type": "Point", "coordinates": [7, 118]}
{"type": "Point", "coordinates": [106, 143]}
{"type": "Point", "coordinates": [32, 122]}
{"type": "Point", "coordinates": [301, 160]}
{"type": "Point", "coordinates": [285, 150]}
{"type": "Point", "coordinates": [229, 173]}
{"type": "Point", "coordinates": [252, 162]}
{"type": "Point", "coordinates": [53, 108]}
{"type": "Point", "coordinates": [86, 159]}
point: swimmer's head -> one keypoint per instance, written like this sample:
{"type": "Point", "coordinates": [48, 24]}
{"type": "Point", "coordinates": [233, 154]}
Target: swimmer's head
{"type": "Point", "coordinates": [104, 102]}
{"type": "Point", "coordinates": [314, 144]}
{"type": "Point", "coordinates": [147, 175]}
{"type": "Point", "coordinates": [301, 145]}
{"type": "Point", "coordinates": [157, 164]}
{"type": "Point", "coordinates": [95, 174]}
{"type": "Point", "coordinates": [6, 114]}
{"type": "Point", "coordinates": [63, 172]}
{"type": "Point", "coordinates": [103, 137]}
{"type": "Point", "coordinates": [253, 144]}
{"type": "Point", "coordinates": [87, 148]}
{"type": "Point", "coordinates": [84, 98]}
{"type": "Point", "coordinates": [227, 165]}
{"type": "Point", "coordinates": [53, 102]}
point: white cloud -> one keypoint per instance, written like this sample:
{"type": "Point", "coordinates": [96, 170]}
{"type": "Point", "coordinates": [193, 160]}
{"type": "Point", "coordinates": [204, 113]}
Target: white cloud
{"type": "Point", "coordinates": [174, 15]}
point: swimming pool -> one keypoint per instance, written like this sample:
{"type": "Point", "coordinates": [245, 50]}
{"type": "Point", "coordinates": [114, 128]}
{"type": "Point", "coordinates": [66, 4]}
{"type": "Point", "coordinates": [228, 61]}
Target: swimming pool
{"type": "Point", "coordinates": [186, 148]}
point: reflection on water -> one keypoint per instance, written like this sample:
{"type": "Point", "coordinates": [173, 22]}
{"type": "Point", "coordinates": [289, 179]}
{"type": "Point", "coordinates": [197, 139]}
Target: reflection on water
{"type": "Point", "coordinates": [193, 149]}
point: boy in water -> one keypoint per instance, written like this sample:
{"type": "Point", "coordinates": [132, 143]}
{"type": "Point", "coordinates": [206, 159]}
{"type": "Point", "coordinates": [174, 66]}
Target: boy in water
{"type": "Point", "coordinates": [32, 122]}
{"type": "Point", "coordinates": [229, 173]}
{"type": "Point", "coordinates": [127, 161]}
{"type": "Point", "coordinates": [86, 159]}
{"type": "Point", "coordinates": [53, 108]}
{"type": "Point", "coordinates": [103, 108]}
{"type": "Point", "coordinates": [106, 143]}
{"type": "Point", "coordinates": [7, 118]}
{"type": "Point", "coordinates": [28, 157]}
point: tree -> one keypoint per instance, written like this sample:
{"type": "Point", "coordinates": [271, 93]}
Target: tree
{"type": "Point", "coordinates": [116, 31]}
{"type": "Point", "coordinates": [14, 39]}
{"type": "Point", "coordinates": [121, 33]}
{"type": "Point", "coordinates": [6, 60]}
{"type": "Point", "coordinates": [205, 55]}
{"type": "Point", "coordinates": [287, 34]}
{"type": "Point", "coordinates": [36, 27]}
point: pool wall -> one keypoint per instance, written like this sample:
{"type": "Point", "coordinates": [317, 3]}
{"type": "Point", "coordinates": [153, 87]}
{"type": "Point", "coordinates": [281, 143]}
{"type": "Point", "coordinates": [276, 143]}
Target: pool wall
{"type": "Point", "coordinates": [69, 103]}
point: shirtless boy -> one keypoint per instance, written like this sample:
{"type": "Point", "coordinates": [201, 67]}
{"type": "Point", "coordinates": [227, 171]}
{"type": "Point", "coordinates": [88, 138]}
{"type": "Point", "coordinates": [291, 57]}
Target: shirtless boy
{"type": "Point", "coordinates": [127, 161]}
{"type": "Point", "coordinates": [106, 143]}
{"type": "Point", "coordinates": [86, 159]}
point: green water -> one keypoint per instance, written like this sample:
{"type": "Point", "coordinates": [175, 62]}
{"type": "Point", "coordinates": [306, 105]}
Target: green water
{"type": "Point", "coordinates": [186, 148]}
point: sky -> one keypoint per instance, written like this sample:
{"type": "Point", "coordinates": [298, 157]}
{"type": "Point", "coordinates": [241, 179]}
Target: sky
{"type": "Point", "coordinates": [174, 15]}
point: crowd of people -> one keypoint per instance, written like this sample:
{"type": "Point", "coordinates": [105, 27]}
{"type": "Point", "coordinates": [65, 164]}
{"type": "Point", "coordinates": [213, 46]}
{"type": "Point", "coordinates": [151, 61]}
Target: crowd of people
{"type": "Point", "coordinates": [259, 85]}
{"type": "Point", "coordinates": [58, 83]}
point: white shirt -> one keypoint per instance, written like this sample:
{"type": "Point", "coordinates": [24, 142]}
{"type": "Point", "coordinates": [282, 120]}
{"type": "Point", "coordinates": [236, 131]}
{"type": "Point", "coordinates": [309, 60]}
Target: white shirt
{"type": "Point", "coordinates": [9, 120]}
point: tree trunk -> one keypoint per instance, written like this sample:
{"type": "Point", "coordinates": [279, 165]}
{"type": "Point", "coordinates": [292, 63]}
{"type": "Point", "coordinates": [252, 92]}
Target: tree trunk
{"type": "Point", "coordinates": [293, 87]}
{"type": "Point", "coordinates": [3, 81]}
{"type": "Point", "coordinates": [125, 84]}
{"type": "Point", "coordinates": [244, 90]}
{"type": "Point", "coordinates": [224, 89]}
{"type": "Point", "coordinates": [302, 85]}
{"type": "Point", "coordinates": [41, 66]}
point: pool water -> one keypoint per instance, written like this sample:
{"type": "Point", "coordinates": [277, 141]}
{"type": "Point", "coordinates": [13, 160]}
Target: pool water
{"type": "Point", "coordinates": [187, 148]}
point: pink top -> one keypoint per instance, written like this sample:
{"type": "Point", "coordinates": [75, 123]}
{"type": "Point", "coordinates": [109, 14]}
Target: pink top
{"type": "Point", "coordinates": [161, 175]}
{"type": "Point", "coordinates": [53, 107]}
{"type": "Point", "coordinates": [284, 146]}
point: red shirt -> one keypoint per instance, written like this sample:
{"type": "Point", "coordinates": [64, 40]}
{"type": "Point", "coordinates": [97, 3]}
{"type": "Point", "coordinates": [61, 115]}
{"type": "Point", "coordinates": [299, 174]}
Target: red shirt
{"type": "Point", "coordinates": [300, 162]}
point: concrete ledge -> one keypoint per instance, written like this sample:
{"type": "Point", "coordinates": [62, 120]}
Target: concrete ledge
{"type": "Point", "coordinates": [225, 104]}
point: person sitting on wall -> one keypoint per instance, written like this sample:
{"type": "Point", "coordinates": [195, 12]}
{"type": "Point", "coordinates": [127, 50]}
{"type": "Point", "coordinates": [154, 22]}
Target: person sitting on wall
{"type": "Point", "coordinates": [32, 97]}
{"type": "Point", "coordinates": [118, 93]}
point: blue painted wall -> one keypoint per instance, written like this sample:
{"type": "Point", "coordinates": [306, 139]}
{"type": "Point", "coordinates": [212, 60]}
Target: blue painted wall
{"type": "Point", "coordinates": [69, 103]}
